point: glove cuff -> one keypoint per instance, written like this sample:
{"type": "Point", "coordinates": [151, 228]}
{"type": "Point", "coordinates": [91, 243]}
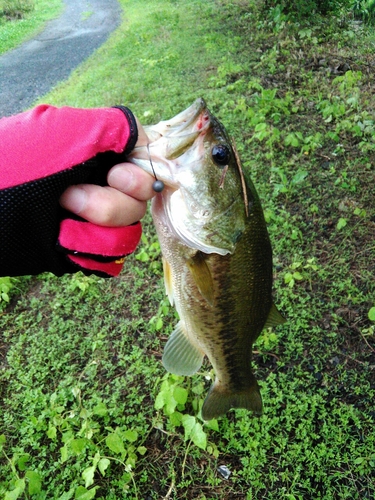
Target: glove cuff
{"type": "Point", "coordinates": [133, 129]}
{"type": "Point", "coordinates": [90, 266]}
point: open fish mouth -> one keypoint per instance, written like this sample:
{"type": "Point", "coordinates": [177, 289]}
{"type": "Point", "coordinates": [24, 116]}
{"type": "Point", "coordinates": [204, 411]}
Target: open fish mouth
{"type": "Point", "coordinates": [170, 140]}
{"type": "Point", "coordinates": [188, 121]}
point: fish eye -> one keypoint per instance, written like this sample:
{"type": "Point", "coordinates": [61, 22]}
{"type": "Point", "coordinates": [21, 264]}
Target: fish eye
{"type": "Point", "coordinates": [220, 154]}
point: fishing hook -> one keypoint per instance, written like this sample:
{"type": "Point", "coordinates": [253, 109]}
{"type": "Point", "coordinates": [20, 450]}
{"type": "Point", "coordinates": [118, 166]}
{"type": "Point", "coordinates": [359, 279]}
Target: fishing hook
{"type": "Point", "coordinates": [157, 185]}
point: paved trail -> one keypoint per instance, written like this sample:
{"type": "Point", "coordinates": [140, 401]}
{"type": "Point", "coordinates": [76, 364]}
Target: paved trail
{"type": "Point", "coordinates": [33, 68]}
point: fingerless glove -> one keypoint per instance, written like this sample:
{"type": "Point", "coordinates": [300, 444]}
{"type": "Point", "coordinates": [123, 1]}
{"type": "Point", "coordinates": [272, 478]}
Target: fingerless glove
{"type": "Point", "coordinates": [42, 152]}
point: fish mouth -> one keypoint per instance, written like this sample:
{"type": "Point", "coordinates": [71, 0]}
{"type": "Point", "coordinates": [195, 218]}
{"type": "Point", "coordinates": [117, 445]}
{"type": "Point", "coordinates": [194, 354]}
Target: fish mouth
{"type": "Point", "coordinates": [188, 121]}
{"type": "Point", "coordinates": [170, 139]}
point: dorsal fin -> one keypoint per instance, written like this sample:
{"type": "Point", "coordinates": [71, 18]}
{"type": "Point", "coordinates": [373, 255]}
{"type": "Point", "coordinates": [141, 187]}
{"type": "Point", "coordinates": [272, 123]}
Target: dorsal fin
{"type": "Point", "coordinates": [274, 318]}
{"type": "Point", "coordinates": [242, 177]}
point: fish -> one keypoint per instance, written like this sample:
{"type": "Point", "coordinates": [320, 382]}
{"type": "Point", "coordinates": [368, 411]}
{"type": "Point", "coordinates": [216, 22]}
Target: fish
{"type": "Point", "coordinates": [216, 252]}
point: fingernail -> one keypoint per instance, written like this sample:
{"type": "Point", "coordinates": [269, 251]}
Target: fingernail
{"type": "Point", "coordinates": [74, 199]}
{"type": "Point", "coordinates": [121, 178]}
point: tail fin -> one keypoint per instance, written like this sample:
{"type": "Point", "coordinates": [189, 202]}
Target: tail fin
{"type": "Point", "coordinates": [220, 400]}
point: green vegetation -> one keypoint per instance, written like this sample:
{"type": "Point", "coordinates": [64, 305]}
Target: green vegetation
{"type": "Point", "coordinates": [87, 410]}
{"type": "Point", "coordinates": [21, 19]}
{"type": "Point", "coordinates": [300, 9]}
{"type": "Point", "coordinates": [16, 9]}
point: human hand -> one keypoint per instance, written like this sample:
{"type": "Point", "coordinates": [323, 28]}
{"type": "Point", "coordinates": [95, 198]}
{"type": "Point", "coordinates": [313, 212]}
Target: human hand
{"type": "Point", "coordinates": [121, 203]}
{"type": "Point", "coordinates": [64, 147]}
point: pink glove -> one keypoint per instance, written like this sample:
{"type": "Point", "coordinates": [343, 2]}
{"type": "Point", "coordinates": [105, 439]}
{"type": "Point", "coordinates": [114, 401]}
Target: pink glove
{"type": "Point", "coordinates": [42, 152]}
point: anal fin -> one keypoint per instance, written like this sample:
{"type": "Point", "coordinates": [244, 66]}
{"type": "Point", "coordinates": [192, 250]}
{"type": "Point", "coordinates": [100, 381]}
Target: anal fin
{"type": "Point", "coordinates": [180, 356]}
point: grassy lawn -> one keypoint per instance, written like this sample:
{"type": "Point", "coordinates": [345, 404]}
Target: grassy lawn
{"type": "Point", "coordinates": [20, 20]}
{"type": "Point", "coordinates": [87, 411]}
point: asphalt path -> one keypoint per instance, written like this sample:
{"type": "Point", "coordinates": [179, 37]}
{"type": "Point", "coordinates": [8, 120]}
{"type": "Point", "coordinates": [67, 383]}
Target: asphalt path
{"type": "Point", "coordinates": [32, 69]}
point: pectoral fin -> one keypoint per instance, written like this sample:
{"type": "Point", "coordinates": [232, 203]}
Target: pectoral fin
{"type": "Point", "coordinates": [202, 276]}
{"type": "Point", "coordinates": [168, 281]}
{"type": "Point", "coordinates": [274, 318]}
{"type": "Point", "coordinates": [180, 356]}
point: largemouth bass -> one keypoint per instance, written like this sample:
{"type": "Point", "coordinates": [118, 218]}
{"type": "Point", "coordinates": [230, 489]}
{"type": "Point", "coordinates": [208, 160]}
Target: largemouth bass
{"type": "Point", "coordinates": [217, 255]}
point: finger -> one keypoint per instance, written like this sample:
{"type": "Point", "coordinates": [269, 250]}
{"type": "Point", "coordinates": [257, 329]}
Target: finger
{"type": "Point", "coordinates": [143, 140]}
{"type": "Point", "coordinates": [104, 206]}
{"type": "Point", "coordinates": [132, 181]}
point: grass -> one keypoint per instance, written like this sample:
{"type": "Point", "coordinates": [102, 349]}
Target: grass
{"type": "Point", "coordinates": [23, 19]}
{"type": "Point", "coordinates": [87, 410]}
